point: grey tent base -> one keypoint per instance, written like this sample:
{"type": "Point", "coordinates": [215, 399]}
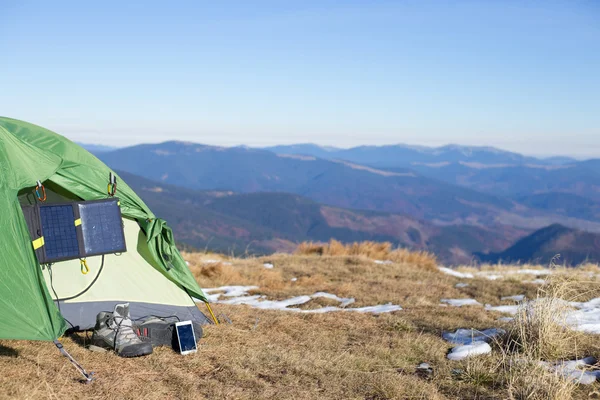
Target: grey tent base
{"type": "Point", "coordinates": [82, 316]}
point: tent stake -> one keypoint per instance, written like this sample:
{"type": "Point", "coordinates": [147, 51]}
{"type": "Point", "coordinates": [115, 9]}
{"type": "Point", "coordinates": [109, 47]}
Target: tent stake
{"type": "Point", "coordinates": [89, 377]}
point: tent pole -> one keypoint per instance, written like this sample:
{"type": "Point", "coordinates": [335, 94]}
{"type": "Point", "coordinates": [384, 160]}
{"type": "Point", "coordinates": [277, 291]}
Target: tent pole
{"type": "Point", "coordinates": [89, 376]}
{"type": "Point", "coordinates": [212, 314]}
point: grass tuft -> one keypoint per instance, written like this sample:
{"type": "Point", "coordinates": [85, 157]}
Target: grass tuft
{"type": "Point", "coordinates": [528, 380]}
{"type": "Point", "coordinates": [373, 250]}
{"type": "Point", "coordinates": [539, 330]}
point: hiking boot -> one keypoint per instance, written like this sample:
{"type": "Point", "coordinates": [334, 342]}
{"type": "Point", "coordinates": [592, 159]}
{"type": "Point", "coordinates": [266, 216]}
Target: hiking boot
{"type": "Point", "coordinates": [114, 331]}
{"type": "Point", "coordinates": [161, 331]}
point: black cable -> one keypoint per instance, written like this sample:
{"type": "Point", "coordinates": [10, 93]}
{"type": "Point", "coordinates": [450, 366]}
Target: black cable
{"type": "Point", "coordinates": [158, 317]}
{"type": "Point", "coordinates": [84, 290]}
{"type": "Point", "coordinates": [49, 266]}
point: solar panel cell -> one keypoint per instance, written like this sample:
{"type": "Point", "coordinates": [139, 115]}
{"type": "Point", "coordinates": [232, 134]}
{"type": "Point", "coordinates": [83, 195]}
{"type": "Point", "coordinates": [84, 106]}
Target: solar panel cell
{"type": "Point", "coordinates": [60, 235]}
{"type": "Point", "coordinates": [101, 226]}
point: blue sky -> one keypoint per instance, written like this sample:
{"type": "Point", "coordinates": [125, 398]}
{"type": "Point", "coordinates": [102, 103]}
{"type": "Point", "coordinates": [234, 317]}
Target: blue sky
{"type": "Point", "coordinates": [522, 76]}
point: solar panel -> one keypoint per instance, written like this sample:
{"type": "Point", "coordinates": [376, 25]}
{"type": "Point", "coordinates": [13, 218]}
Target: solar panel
{"type": "Point", "coordinates": [69, 231]}
{"type": "Point", "coordinates": [60, 235]}
{"type": "Point", "coordinates": [102, 228]}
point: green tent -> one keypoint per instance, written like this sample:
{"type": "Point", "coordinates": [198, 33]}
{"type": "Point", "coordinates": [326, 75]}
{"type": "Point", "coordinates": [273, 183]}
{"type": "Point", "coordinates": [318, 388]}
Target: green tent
{"type": "Point", "coordinates": [152, 276]}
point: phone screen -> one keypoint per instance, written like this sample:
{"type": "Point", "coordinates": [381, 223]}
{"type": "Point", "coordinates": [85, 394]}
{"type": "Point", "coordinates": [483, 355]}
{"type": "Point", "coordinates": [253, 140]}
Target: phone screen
{"type": "Point", "coordinates": [185, 334]}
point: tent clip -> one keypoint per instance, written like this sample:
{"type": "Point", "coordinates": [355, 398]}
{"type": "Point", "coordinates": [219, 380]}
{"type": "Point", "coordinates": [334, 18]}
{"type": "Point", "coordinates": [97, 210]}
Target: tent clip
{"type": "Point", "coordinates": [40, 192]}
{"type": "Point", "coordinates": [112, 185]}
{"type": "Point", "coordinates": [84, 267]}
{"type": "Point", "coordinates": [89, 376]}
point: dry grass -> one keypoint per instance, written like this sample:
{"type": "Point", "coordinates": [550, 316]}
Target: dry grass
{"type": "Point", "coordinates": [275, 354]}
{"type": "Point", "coordinates": [539, 333]}
{"type": "Point", "coordinates": [528, 380]}
{"type": "Point", "coordinates": [373, 250]}
{"type": "Point", "coordinates": [539, 330]}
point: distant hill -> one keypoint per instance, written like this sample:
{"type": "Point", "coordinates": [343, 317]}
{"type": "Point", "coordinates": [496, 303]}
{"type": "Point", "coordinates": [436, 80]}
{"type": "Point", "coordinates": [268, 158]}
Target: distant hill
{"type": "Point", "coordinates": [339, 184]}
{"type": "Point", "coordinates": [558, 160]}
{"type": "Point", "coordinates": [574, 247]}
{"type": "Point", "coordinates": [96, 148]}
{"type": "Point", "coordinates": [593, 165]}
{"type": "Point", "coordinates": [519, 180]}
{"type": "Point", "coordinates": [485, 169]}
{"type": "Point", "coordinates": [307, 149]}
{"type": "Point", "coordinates": [262, 223]}
{"type": "Point", "coordinates": [397, 156]}
{"type": "Point", "coordinates": [566, 204]}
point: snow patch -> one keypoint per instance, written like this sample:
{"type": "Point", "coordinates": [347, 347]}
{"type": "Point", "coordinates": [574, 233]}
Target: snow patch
{"type": "Point", "coordinates": [383, 262]}
{"type": "Point", "coordinates": [585, 320]}
{"type": "Point", "coordinates": [461, 285]}
{"type": "Point", "coordinates": [534, 271]}
{"type": "Point", "coordinates": [268, 265]}
{"type": "Point", "coordinates": [468, 336]}
{"type": "Point", "coordinates": [262, 303]}
{"type": "Point", "coordinates": [585, 317]}
{"type": "Point", "coordinates": [594, 303]}
{"type": "Point", "coordinates": [512, 310]}
{"type": "Point", "coordinates": [469, 350]}
{"type": "Point", "coordinates": [489, 275]}
{"type": "Point", "coordinates": [572, 370]}
{"type": "Point", "coordinates": [239, 295]}
{"type": "Point", "coordinates": [493, 277]}
{"type": "Point", "coordinates": [461, 302]}
{"type": "Point", "coordinates": [470, 342]}
{"type": "Point", "coordinates": [379, 309]}
{"type": "Point", "coordinates": [229, 291]}
{"type": "Point", "coordinates": [343, 301]}
{"type": "Point", "coordinates": [457, 274]}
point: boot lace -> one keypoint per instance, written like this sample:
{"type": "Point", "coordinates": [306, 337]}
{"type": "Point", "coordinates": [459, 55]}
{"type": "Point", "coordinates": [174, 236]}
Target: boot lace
{"type": "Point", "coordinates": [123, 332]}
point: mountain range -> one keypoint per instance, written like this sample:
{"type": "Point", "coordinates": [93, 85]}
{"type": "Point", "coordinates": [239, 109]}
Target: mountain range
{"type": "Point", "coordinates": [267, 222]}
{"type": "Point", "coordinates": [393, 156]}
{"type": "Point", "coordinates": [462, 201]}
{"type": "Point", "coordinates": [332, 182]}
{"type": "Point", "coordinates": [485, 169]}
{"type": "Point", "coordinates": [558, 185]}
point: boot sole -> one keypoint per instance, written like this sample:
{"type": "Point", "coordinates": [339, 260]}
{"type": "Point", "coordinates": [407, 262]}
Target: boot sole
{"type": "Point", "coordinates": [99, 343]}
{"type": "Point", "coordinates": [136, 350]}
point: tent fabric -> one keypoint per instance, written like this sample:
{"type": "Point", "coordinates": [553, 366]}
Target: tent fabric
{"type": "Point", "coordinates": [118, 278]}
{"type": "Point", "coordinates": [26, 308]}
{"type": "Point", "coordinates": [126, 276]}
{"type": "Point", "coordinates": [29, 153]}
{"type": "Point", "coordinates": [82, 315]}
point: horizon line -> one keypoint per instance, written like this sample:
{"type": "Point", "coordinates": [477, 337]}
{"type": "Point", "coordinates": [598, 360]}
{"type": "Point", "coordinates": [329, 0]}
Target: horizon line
{"type": "Point", "coordinates": [334, 148]}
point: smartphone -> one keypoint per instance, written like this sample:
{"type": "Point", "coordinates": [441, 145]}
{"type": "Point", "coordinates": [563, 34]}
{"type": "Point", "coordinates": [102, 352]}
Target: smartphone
{"type": "Point", "coordinates": [186, 337]}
